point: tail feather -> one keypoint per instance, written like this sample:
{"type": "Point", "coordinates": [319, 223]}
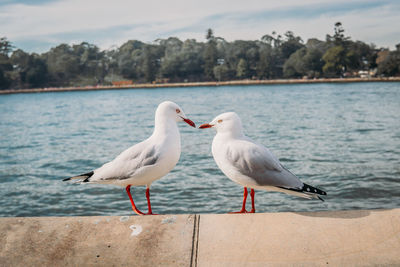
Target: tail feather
{"type": "Point", "coordinates": [307, 191]}
{"type": "Point", "coordinates": [310, 189]}
{"type": "Point", "coordinates": [82, 178]}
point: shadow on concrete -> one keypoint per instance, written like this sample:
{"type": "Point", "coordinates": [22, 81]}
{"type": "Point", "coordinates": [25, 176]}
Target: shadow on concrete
{"type": "Point", "coordinates": [343, 214]}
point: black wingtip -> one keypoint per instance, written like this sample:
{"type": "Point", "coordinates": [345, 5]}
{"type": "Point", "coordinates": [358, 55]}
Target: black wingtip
{"type": "Point", "coordinates": [311, 189]}
{"type": "Point", "coordinates": [84, 176]}
{"type": "Point", "coordinates": [320, 198]}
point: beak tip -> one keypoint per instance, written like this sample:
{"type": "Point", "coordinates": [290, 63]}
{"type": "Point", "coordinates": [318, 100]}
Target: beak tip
{"type": "Point", "coordinates": [191, 123]}
{"type": "Point", "coordinates": [205, 126]}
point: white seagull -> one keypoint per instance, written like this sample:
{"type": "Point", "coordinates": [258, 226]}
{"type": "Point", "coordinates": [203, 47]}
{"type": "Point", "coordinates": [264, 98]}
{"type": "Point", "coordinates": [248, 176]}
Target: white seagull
{"type": "Point", "coordinates": [147, 161]}
{"type": "Point", "coordinates": [250, 164]}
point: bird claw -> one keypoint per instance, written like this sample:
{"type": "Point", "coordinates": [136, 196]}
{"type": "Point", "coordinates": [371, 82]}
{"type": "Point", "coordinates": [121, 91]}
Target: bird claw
{"type": "Point", "coordinates": [138, 212]}
{"type": "Point", "coordinates": [237, 212]}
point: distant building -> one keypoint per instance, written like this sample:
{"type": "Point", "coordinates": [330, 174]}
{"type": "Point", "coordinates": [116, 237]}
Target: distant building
{"type": "Point", "coordinates": [364, 74]}
{"type": "Point", "coordinates": [161, 80]}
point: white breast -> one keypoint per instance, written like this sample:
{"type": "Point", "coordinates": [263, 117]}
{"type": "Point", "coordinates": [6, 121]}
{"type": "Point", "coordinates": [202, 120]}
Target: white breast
{"type": "Point", "coordinates": [219, 150]}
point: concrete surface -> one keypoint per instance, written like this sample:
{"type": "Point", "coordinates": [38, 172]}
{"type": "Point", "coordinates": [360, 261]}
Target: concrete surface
{"type": "Point", "coordinates": [100, 241]}
{"type": "Point", "coordinates": [341, 238]}
{"type": "Point", "coordinates": [355, 238]}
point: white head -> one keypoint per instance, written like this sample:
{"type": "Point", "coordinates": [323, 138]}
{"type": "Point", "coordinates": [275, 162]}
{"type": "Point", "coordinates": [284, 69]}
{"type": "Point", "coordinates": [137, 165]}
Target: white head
{"type": "Point", "coordinates": [228, 122]}
{"type": "Point", "coordinates": [173, 111]}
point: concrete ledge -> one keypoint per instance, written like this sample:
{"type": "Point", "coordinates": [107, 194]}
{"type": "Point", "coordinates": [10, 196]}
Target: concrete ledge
{"type": "Point", "coordinates": [100, 241]}
{"type": "Point", "coordinates": [301, 239]}
{"type": "Point", "coordinates": [364, 237]}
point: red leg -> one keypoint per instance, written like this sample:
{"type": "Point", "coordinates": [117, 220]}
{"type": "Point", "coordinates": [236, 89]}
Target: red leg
{"type": "Point", "coordinates": [243, 210]}
{"type": "Point", "coordinates": [128, 191]}
{"type": "Point", "coordinates": [253, 207]}
{"type": "Point", "coordinates": [150, 212]}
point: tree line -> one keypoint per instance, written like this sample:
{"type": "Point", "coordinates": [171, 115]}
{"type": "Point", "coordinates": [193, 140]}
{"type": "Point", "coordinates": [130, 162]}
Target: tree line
{"type": "Point", "coordinates": [274, 56]}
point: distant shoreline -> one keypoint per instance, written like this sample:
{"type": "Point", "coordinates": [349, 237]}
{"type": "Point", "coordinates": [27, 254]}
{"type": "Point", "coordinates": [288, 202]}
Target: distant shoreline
{"type": "Point", "coordinates": [200, 84]}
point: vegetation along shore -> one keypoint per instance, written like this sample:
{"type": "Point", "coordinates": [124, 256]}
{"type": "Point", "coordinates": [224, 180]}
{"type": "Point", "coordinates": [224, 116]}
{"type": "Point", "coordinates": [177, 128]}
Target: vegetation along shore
{"type": "Point", "coordinates": [172, 62]}
{"type": "Point", "coordinates": [199, 84]}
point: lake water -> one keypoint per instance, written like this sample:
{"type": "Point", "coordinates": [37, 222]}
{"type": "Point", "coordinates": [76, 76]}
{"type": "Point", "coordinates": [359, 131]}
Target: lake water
{"type": "Point", "coordinates": [343, 138]}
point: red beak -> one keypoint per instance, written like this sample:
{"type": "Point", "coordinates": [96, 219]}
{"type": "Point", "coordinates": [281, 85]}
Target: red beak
{"type": "Point", "coordinates": [191, 123]}
{"type": "Point", "coordinates": [205, 125]}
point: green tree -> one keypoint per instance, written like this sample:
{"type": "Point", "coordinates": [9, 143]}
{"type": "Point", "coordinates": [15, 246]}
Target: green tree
{"type": "Point", "coordinates": [274, 56]}
{"type": "Point", "coordinates": [306, 61]}
{"type": "Point", "coordinates": [221, 72]}
{"type": "Point", "coordinates": [242, 69]}
{"type": "Point", "coordinates": [171, 62]}
{"type": "Point", "coordinates": [295, 67]}
{"type": "Point", "coordinates": [63, 65]}
{"type": "Point", "coordinates": [390, 64]}
{"type": "Point", "coordinates": [30, 71]}
{"type": "Point", "coordinates": [129, 58]}
{"type": "Point", "coordinates": [4, 82]}
{"type": "Point", "coordinates": [274, 40]}
{"type": "Point", "coordinates": [360, 56]}
{"type": "Point", "coordinates": [350, 56]}
{"type": "Point", "coordinates": [313, 62]}
{"type": "Point", "coordinates": [5, 68]}
{"type": "Point", "coordinates": [150, 63]}
{"type": "Point", "coordinates": [191, 60]}
{"type": "Point", "coordinates": [269, 64]}
{"type": "Point", "coordinates": [249, 51]}
{"type": "Point", "coordinates": [290, 45]}
{"type": "Point", "coordinates": [90, 59]}
{"type": "Point", "coordinates": [272, 60]}
{"type": "Point", "coordinates": [5, 46]}
{"type": "Point", "coordinates": [210, 55]}
{"type": "Point", "coordinates": [5, 65]}
{"type": "Point", "coordinates": [334, 61]}
{"type": "Point", "coordinates": [338, 38]}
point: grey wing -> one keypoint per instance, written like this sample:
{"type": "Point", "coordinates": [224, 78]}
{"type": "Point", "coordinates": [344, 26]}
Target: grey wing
{"type": "Point", "coordinates": [258, 163]}
{"type": "Point", "coordinates": [128, 163]}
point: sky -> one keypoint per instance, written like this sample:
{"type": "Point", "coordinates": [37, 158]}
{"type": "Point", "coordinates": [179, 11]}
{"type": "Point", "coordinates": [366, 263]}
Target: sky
{"type": "Point", "coordinates": [38, 25]}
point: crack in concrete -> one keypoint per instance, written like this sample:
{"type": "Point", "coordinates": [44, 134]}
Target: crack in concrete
{"type": "Point", "coordinates": [195, 241]}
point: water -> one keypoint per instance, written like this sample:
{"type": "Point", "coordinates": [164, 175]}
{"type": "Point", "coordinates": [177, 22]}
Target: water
{"type": "Point", "coordinates": [343, 138]}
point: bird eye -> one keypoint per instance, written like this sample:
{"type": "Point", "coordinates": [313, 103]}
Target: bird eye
{"type": "Point", "coordinates": [178, 110]}
{"type": "Point", "coordinates": [219, 121]}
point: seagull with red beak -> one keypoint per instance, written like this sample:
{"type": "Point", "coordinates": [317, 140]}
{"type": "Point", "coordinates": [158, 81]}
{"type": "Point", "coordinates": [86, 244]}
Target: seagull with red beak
{"type": "Point", "coordinates": [145, 162]}
{"type": "Point", "coordinates": [250, 164]}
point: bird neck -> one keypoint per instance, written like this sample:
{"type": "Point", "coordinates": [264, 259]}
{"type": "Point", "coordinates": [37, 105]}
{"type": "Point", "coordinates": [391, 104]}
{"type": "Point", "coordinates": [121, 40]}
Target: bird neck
{"type": "Point", "coordinates": [165, 126]}
{"type": "Point", "coordinates": [231, 134]}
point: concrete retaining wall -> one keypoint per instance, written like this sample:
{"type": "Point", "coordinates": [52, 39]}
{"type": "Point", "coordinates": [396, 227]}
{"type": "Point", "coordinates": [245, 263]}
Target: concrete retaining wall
{"type": "Point", "coordinates": [364, 237]}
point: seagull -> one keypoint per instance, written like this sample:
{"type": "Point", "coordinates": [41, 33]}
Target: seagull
{"type": "Point", "coordinates": [251, 164]}
{"type": "Point", "coordinates": [146, 161]}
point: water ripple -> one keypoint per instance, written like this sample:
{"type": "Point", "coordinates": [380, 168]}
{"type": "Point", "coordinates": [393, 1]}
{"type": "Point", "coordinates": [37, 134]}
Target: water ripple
{"type": "Point", "coordinates": [343, 138]}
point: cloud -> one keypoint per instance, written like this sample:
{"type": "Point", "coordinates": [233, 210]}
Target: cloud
{"type": "Point", "coordinates": [107, 23]}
